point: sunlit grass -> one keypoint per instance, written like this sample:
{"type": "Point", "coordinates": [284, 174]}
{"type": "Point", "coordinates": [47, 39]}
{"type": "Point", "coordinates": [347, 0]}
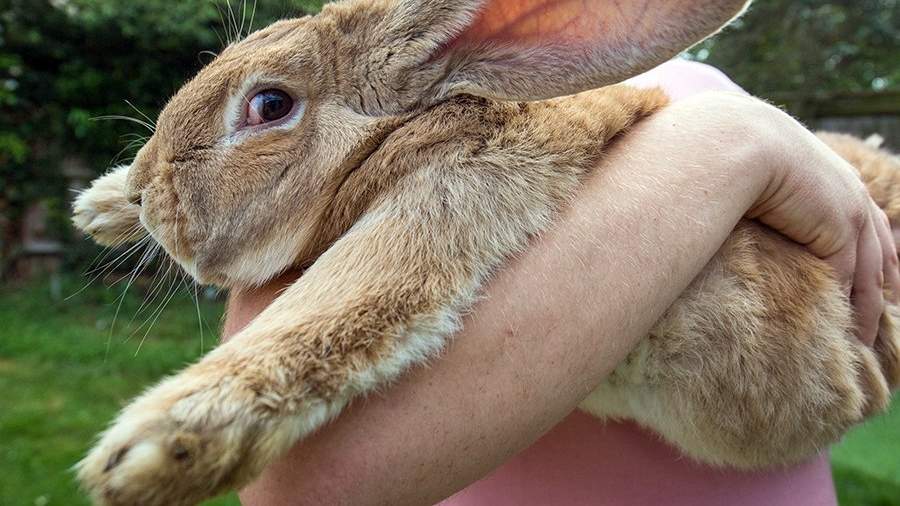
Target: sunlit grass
{"type": "Point", "coordinates": [64, 375]}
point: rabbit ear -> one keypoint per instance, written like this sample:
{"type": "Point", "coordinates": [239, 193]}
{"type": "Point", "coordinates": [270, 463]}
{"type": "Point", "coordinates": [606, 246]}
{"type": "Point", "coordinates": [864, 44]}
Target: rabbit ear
{"type": "Point", "coordinates": [537, 49]}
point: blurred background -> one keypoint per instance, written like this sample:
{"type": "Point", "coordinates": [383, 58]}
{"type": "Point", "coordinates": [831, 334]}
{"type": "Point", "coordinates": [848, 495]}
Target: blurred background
{"type": "Point", "coordinates": [83, 329]}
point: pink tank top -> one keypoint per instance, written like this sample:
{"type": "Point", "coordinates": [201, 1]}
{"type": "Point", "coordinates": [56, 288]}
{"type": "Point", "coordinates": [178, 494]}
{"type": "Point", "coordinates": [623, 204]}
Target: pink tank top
{"type": "Point", "coordinates": [583, 461]}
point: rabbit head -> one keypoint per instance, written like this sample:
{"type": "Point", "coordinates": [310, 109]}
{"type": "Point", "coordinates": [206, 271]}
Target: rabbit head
{"type": "Point", "coordinates": [240, 179]}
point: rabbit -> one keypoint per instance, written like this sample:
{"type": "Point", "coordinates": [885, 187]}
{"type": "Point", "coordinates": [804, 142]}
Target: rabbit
{"type": "Point", "coordinates": [400, 152]}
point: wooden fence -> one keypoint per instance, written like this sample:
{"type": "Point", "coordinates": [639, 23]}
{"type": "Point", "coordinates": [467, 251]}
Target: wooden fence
{"type": "Point", "coordinates": [860, 113]}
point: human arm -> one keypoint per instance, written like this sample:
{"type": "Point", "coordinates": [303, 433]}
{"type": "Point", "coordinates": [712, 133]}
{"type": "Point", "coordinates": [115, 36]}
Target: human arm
{"type": "Point", "coordinates": [664, 200]}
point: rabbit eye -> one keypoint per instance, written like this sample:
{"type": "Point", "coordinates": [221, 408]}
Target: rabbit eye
{"type": "Point", "coordinates": [267, 106]}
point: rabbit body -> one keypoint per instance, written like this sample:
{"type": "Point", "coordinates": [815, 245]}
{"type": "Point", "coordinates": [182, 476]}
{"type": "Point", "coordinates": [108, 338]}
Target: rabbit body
{"type": "Point", "coordinates": [755, 365]}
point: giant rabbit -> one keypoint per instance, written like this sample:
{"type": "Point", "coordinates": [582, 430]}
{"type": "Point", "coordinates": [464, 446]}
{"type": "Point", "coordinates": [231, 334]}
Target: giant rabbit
{"type": "Point", "coordinates": [400, 151]}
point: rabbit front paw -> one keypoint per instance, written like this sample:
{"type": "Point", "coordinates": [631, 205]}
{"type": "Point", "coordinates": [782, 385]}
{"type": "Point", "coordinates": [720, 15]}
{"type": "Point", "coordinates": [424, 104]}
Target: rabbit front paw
{"type": "Point", "coordinates": [104, 212]}
{"type": "Point", "coordinates": [186, 440]}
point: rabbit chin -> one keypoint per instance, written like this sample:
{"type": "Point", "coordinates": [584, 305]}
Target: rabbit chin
{"type": "Point", "coordinates": [250, 267]}
{"type": "Point", "coordinates": [190, 267]}
{"type": "Point", "coordinates": [158, 234]}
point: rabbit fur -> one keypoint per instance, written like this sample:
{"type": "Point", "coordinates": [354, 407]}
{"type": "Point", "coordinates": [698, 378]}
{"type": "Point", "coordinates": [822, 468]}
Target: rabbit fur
{"type": "Point", "coordinates": [426, 146]}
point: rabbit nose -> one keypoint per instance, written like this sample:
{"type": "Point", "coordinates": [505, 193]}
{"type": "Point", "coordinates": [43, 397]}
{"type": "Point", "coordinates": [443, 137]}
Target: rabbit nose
{"type": "Point", "coordinates": [133, 192]}
{"type": "Point", "coordinates": [140, 172]}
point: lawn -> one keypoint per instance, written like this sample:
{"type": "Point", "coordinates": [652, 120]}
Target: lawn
{"type": "Point", "coordinates": [64, 374]}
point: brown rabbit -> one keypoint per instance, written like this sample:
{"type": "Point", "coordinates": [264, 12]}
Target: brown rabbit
{"type": "Point", "coordinates": [397, 150]}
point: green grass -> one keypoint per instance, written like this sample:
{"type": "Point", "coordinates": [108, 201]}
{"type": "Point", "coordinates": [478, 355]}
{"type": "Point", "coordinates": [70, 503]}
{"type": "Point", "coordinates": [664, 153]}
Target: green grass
{"type": "Point", "coordinates": [64, 375]}
{"type": "Point", "coordinates": [867, 463]}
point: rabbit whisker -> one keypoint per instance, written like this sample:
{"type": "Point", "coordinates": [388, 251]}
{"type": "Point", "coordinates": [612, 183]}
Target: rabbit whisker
{"type": "Point", "coordinates": [156, 284]}
{"type": "Point", "coordinates": [108, 267]}
{"type": "Point", "coordinates": [120, 117]}
{"type": "Point", "coordinates": [173, 290]}
{"type": "Point", "coordinates": [152, 122]}
{"type": "Point", "coordinates": [145, 261]}
{"type": "Point", "coordinates": [193, 289]}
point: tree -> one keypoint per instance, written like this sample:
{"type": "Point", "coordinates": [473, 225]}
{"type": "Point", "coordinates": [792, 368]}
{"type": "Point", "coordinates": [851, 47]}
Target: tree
{"type": "Point", "coordinates": [807, 46]}
{"type": "Point", "coordinates": [65, 63]}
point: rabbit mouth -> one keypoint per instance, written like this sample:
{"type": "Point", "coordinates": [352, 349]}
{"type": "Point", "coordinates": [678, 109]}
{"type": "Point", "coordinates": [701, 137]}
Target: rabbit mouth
{"type": "Point", "coordinates": [176, 251]}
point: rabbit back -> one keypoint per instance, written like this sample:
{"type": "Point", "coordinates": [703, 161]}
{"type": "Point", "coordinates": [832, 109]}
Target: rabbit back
{"type": "Point", "coordinates": [756, 364]}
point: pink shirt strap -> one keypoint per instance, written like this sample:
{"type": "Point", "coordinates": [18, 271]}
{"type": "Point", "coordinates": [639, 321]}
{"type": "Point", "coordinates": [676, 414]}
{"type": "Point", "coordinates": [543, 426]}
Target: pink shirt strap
{"type": "Point", "coordinates": [682, 78]}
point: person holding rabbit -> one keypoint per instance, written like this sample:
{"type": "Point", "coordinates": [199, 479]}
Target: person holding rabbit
{"type": "Point", "coordinates": [684, 265]}
{"type": "Point", "coordinates": [443, 428]}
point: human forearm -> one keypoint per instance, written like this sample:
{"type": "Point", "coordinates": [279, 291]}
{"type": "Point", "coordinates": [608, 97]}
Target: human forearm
{"type": "Point", "coordinates": [665, 198]}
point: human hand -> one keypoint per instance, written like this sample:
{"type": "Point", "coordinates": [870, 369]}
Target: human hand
{"type": "Point", "coordinates": [832, 214]}
{"type": "Point", "coordinates": [822, 204]}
